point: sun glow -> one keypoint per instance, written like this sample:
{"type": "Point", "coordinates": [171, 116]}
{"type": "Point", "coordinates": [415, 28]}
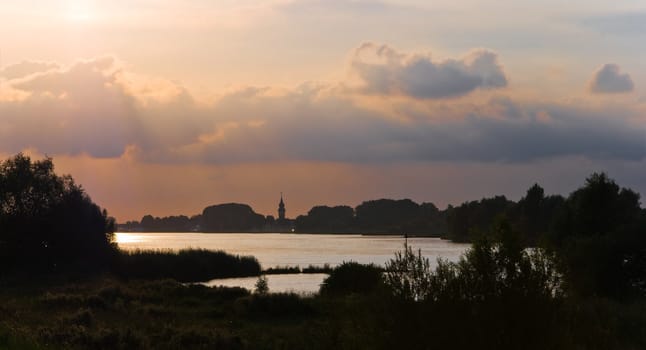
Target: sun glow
{"type": "Point", "coordinates": [79, 11]}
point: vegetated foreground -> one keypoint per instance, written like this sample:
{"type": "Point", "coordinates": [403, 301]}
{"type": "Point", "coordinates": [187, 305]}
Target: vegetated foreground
{"type": "Point", "coordinates": [356, 309]}
{"type": "Point", "coordinates": [64, 285]}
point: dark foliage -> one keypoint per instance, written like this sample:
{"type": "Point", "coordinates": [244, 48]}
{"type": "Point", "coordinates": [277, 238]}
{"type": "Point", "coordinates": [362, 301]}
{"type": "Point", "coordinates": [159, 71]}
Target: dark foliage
{"type": "Point", "coordinates": [472, 218]}
{"type": "Point", "coordinates": [600, 238]}
{"type": "Point", "coordinates": [179, 223]}
{"type": "Point", "coordinates": [534, 214]}
{"type": "Point", "coordinates": [353, 278]}
{"type": "Point", "coordinates": [47, 222]}
{"type": "Point", "coordinates": [274, 306]}
{"type": "Point", "coordinates": [188, 265]}
{"type": "Point", "coordinates": [386, 215]}
{"type": "Point", "coordinates": [231, 217]}
{"type": "Point", "coordinates": [497, 267]}
{"type": "Point", "coordinates": [318, 269]}
{"type": "Point", "coordinates": [282, 270]}
{"type": "Point", "coordinates": [326, 219]}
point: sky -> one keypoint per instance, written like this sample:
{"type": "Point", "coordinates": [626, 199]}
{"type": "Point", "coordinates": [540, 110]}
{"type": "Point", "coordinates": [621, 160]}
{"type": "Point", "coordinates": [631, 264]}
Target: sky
{"type": "Point", "coordinates": [164, 107]}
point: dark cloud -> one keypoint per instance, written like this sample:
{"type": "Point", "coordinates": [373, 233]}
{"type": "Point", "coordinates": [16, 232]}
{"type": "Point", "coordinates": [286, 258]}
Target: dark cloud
{"type": "Point", "coordinates": [26, 68]}
{"type": "Point", "coordinates": [387, 71]}
{"type": "Point", "coordinates": [92, 108]}
{"type": "Point", "coordinates": [333, 129]}
{"type": "Point", "coordinates": [609, 79]}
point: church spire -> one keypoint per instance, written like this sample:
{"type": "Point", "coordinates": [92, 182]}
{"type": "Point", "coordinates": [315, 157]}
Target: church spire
{"type": "Point", "coordinates": [281, 208]}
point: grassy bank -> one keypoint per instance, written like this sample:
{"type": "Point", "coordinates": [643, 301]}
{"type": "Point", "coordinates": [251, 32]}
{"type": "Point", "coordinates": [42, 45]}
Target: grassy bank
{"type": "Point", "coordinates": [285, 270]}
{"type": "Point", "coordinates": [108, 313]}
{"type": "Point", "coordinates": [188, 265]}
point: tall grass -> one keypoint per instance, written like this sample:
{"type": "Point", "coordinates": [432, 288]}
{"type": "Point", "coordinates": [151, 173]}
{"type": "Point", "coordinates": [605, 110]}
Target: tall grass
{"type": "Point", "coordinates": [187, 265]}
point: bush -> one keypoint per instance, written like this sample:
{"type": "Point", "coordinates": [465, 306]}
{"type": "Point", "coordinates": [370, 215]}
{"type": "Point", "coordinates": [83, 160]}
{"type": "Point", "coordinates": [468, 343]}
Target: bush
{"type": "Point", "coordinates": [408, 275]}
{"type": "Point", "coordinates": [276, 306]}
{"type": "Point", "coordinates": [262, 286]}
{"type": "Point", "coordinates": [492, 269]}
{"type": "Point", "coordinates": [353, 278]}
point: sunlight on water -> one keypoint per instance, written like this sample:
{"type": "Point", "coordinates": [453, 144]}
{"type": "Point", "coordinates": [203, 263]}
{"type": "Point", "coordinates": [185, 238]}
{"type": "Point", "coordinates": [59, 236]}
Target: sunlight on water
{"type": "Point", "coordinates": [123, 238]}
{"type": "Point", "coordinates": [273, 249]}
{"type": "Point", "coordinates": [297, 283]}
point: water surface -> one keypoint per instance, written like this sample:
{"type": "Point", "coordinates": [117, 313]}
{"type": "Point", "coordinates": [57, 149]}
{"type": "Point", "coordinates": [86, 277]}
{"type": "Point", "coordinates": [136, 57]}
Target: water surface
{"type": "Point", "coordinates": [274, 249]}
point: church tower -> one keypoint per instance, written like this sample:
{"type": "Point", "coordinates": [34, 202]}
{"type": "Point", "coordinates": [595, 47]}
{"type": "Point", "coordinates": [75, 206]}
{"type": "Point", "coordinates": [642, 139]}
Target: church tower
{"type": "Point", "coordinates": [281, 208]}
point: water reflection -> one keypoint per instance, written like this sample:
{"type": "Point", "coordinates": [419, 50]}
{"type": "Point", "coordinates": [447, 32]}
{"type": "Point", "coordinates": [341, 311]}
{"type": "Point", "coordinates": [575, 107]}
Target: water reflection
{"type": "Point", "coordinates": [293, 250]}
{"type": "Point", "coordinates": [297, 283]}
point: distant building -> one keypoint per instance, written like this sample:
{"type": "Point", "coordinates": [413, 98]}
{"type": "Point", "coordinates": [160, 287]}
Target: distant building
{"type": "Point", "coordinates": [281, 208]}
{"type": "Point", "coordinates": [283, 224]}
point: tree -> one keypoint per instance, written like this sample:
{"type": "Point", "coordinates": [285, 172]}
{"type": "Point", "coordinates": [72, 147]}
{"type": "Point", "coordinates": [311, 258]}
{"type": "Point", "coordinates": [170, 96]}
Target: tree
{"type": "Point", "coordinates": [600, 238]}
{"type": "Point", "coordinates": [475, 217]}
{"type": "Point", "coordinates": [262, 285]}
{"type": "Point", "coordinates": [409, 275]}
{"type": "Point", "coordinates": [326, 219]}
{"type": "Point", "coordinates": [231, 217]}
{"type": "Point", "coordinates": [534, 214]}
{"type": "Point", "coordinates": [47, 222]}
{"type": "Point", "coordinates": [386, 215]}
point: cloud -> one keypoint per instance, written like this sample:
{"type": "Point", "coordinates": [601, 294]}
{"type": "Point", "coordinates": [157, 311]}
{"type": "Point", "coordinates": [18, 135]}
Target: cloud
{"type": "Point", "coordinates": [26, 68]}
{"type": "Point", "coordinates": [609, 79]}
{"type": "Point", "coordinates": [330, 128]}
{"type": "Point", "coordinates": [97, 108]}
{"type": "Point", "coordinates": [74, 110]}
{"type": "Point", "coordinates": [383, 70]}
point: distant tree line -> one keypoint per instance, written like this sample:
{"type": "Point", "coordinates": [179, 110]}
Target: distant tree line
{"type": "Point", "coordinates": [228, 217]}
{"type": "Point", "coordinates": [149, 223]}
{"type": "Point", "coordinates": [382, 216]}
{"type": "Point", "coordinates": [536, 215]}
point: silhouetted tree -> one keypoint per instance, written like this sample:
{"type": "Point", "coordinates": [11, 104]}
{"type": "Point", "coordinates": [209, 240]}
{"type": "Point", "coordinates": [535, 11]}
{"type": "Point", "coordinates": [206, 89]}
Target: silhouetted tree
{"type": "Point", "coordinates": [179, 223]}
{"type": "Point", "coordinates": [409, 275]}
{"type": "Point", "coordinates": [353, 278]}
{"type": "Point", "coordinates": [600, 236]}
{"type": "Point", "coordinates": [326, 219]}
{"type": "Point", "coordinates": [47, 222]}
{"type": "Point", "coordinates": [262, 285]}
{"type": "Point", "coordinates": [386, 215]}
{"type": "Point", "coordinates": [534, 214]}
{"type": "Point", "coordinates": [475, 217]}
{"type": "Point", "coordinates": [231, 217]}
{"type": "Point", "coordinates": [496, 267]}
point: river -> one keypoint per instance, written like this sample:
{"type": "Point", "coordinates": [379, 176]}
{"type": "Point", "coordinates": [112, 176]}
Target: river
{"type": "Point", "coordinates": [273, 249]}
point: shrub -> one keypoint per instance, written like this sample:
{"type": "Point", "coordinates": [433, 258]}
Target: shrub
{"type": "Point", "coordinates": [409, 275]}
{"type": "Point", "coordinates": [353, 278]}
{"type": "Point", "coordinates": [492, 269]}
{"type": "Point", "coordinates": [262, 286]}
